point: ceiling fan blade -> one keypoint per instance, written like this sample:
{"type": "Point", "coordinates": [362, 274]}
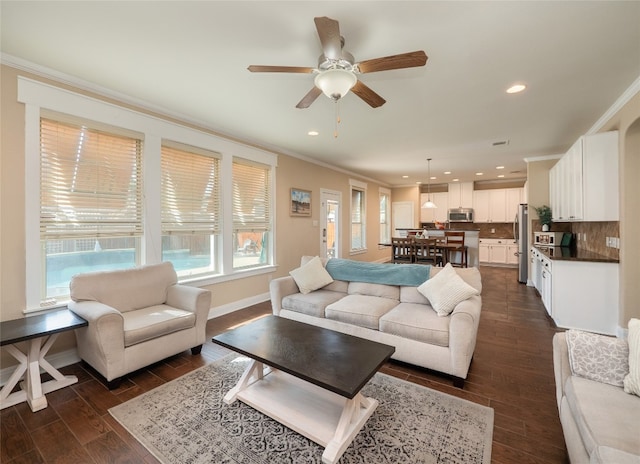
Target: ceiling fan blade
{"type": "Point", "coordinates": [369, 96]}
{"type": "Point", "coordinates": [329, 32]}
{"type": "Point", "coordinates": [280, 69]}
{"type": "Point", "coordinates": [309, 98]}
{"type": "Point", "coordinates": [404, 60]}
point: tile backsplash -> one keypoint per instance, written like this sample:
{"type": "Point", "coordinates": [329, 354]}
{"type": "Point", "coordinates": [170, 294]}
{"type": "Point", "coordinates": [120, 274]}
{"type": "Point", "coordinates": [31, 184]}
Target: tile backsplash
{"type": "Point", "coordinates": [596, 237]}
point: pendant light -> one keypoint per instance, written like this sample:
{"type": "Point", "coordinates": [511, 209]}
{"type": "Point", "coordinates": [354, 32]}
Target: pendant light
{"type": "Point", "coordinates": [429, 204]}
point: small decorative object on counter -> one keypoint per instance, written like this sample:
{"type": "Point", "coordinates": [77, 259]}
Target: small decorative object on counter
{"type": "Point", "coordinates": [544, 215]}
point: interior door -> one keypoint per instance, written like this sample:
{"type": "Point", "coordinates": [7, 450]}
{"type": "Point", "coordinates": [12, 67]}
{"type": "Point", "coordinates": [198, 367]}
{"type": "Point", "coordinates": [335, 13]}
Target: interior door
{"type": "Point", "coordinates": [330, 224]}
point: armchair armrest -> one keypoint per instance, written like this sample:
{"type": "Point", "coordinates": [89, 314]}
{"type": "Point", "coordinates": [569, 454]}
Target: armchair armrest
{"type": "Point", "coordinates": [197, 300]}
{"type": "Point", "coordinates": [101, 343]}
{"type": "Point", "coordinates": [279, 288]}
{"type": "Point", "coordinates": [561, 366]}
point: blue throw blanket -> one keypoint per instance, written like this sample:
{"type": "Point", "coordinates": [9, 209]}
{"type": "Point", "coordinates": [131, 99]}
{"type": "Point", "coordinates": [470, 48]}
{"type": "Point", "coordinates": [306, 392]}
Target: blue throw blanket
{"type": "Point", "coordinates": [378, 273]}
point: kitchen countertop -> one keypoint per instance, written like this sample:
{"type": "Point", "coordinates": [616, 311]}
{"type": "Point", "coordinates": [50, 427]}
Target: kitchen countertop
{"type": "Point", "coordinates": [573, 254]}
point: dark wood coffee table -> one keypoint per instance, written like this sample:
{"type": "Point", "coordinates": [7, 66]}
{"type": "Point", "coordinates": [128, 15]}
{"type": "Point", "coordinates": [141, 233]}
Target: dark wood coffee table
{"type": "Point", "coordinates": [312, 380]}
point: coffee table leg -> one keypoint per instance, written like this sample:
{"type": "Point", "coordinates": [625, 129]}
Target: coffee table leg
{"type": "Point", "coordinates": [354, 415]}
{"type": "Point", "coordinates": [255, 371]}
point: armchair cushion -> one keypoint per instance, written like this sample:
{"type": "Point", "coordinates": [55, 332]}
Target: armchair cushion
{"type": "Point", "coordinates": [155, 321]}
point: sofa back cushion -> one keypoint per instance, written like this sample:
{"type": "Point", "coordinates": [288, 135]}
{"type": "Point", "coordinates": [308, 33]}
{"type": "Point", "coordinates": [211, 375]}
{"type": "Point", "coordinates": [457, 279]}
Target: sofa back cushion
{"type": "Point", "coordinates": [384, 291]}
{"type": "Point", "coordinates": [412, 295]}
{"type": "Point", "coordinates": [127, 289]}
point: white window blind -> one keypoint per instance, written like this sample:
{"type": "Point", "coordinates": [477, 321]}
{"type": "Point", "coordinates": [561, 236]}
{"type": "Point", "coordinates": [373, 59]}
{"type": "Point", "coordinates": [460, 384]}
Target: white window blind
{"type": "Point", "coordinates": [190, 191]}
{"type": "Point", "coordinates": [251, 196]}
{"type": "Point", "coordinates": [90, 183]}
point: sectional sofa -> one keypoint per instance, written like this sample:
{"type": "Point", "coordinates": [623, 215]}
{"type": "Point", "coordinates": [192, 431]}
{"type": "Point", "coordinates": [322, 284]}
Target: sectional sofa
{"type": "Point", "coordinates": [394, 313]}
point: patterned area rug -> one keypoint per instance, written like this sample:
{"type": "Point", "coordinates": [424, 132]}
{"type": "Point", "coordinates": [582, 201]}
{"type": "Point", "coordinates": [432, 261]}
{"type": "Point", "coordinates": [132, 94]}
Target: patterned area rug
{"type": "Point", "coordinates": [186, 421]}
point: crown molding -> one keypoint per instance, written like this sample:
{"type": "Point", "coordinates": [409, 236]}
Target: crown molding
{"type": "Point", "coordinates": [627, 95]}
{"type": "Point", "coordinates": [75, 82]}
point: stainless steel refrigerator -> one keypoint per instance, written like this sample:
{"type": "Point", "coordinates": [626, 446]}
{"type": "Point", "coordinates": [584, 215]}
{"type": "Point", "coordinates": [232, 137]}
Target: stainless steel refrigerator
{"type": "Point", "coordinates": [521, 234]}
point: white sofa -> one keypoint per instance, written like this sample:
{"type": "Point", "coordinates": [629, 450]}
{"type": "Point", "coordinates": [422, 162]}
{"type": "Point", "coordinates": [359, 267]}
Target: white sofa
{"type": "Point", "coordinates": [136, 317]}
{"type": "Point", "coordinates": [396, 315]}
{"type": "Point", "coordinates": [600, 422]}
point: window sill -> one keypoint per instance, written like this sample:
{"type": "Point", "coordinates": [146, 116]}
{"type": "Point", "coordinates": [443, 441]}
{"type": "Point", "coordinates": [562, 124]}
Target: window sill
{"type": "Point", "coordinates": [359, 251]}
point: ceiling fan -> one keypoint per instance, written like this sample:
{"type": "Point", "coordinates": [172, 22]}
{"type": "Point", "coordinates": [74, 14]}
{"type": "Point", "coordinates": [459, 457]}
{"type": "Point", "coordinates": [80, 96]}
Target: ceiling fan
{"type": "Point", "coordinates": [337, 70]}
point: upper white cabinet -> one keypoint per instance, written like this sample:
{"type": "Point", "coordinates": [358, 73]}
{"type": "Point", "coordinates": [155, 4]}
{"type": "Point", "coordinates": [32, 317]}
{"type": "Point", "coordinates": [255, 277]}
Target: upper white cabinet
{"type": "Point", "coordinates": [583, 185]}
{"type": "Point", "coordinates": [440, 214]}
{"type": "Point", "coordinates": [461, 195]}
{"type": "Point", "coordinates": [496, 205]}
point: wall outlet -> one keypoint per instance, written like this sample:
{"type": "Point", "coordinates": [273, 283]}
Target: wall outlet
{"type": "Point", "coordinates": [493, 231]}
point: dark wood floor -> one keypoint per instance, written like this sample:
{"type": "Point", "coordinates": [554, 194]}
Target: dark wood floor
{"type": "Point", "coordinates": [511, 372]}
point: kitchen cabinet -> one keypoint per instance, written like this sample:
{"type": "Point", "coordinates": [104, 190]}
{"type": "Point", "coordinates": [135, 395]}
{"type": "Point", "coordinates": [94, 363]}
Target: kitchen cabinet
{"type": "Point", "coordinates": [577, 294]}
{"type": "Point", "coordinates": [583, 185]}
{"type": "Point", "coordinates": [515, 196]}
{"type": "Point", "coordinates": [495, 251]}
{"type": "Point", "coordinates": [546, 283]}
{"type": "Point", "coordinates": [512, 253]}
{"type": "Point", "coordinates": [585, 296]}
{"type": "Point", "coordinates": [440, 214]}
{"type": "Point", "coordinates": [536, 269]}
{"type": "Point", "coordinates": [461, 195]}
{"type": "Point", "coordinates": [497, 205]}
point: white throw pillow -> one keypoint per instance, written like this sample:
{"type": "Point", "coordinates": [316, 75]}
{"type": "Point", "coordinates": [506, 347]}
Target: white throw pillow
{"type": "Point", "coordinates": [311, 276]}
{"type": "Point", "coordinates": [445, 290]}
{"type": "Point", "coordinates": [632, 380]}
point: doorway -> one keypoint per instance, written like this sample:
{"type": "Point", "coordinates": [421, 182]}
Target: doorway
{"type": "Point", "coordinates": [330, 224]}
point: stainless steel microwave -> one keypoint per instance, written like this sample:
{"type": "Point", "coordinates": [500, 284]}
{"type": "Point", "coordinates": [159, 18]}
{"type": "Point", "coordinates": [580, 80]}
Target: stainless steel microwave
{"type": "Point", "coordinates": [460, 215]}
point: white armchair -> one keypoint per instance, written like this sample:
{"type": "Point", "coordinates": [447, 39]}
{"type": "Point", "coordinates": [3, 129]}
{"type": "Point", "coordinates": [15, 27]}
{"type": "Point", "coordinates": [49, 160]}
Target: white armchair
{"type": "Point", "coordinates": [136, 317]}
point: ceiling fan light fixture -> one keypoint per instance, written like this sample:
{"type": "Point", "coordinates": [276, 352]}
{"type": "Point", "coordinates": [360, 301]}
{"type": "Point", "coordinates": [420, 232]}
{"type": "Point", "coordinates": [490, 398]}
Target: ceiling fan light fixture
{"type": "Point", "coordinates": [335, 83]}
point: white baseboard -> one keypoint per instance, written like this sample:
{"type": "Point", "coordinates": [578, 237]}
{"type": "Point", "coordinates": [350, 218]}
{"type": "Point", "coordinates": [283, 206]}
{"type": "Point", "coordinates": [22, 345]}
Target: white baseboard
{"type": "Point", "coordinates": [218, 311]}
{"type": "Point", "coordinates": [65, 358]}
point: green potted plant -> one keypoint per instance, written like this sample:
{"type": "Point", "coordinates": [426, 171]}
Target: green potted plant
{"type": "Point", "coordinates": [544, 215]}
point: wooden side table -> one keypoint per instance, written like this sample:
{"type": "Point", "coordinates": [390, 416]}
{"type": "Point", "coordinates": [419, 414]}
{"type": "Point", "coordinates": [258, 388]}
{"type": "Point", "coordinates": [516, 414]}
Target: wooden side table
{"type": "Point", "coordinates": [40, 332]}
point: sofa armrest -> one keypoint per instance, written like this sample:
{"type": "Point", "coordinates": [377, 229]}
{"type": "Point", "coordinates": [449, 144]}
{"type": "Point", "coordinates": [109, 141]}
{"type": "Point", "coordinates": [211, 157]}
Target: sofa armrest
{"type": "Point", "coordinates": [279, 288]}
{"type": "Point", "coordinates": [561, 366]}
{"type": "Point", "coordinates": [101, 343]}
{"type": "Point", "coordinates": [463, 330]}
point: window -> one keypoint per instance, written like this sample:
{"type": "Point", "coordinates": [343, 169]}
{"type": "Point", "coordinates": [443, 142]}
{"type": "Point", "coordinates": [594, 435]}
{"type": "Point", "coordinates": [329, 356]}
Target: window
{"type": "Point", "coordinates": [358, 216]}
{"type": "Point", "coordinates": [119, 188]}
{"type": "Point", "coordinates": [385, 210]}
{"type": "Point", "coordinates": [251, 214]}
{"type": "Point", "coordinates": [90, 203]}
{"type": "Point", "coordinates": [190, 209]}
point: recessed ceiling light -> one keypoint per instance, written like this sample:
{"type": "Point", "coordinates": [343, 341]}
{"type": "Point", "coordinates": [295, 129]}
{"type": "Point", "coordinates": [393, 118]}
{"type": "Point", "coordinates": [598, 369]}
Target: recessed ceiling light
{"type": "Point", "coordinates": [501, 175]}
{"type": "Point", "coordinates": [418, 182]}
{"type": "Point", "coordinates": [479, 173]}
{"type": "Point", "coordinates": [433, 178]}
{"type": "Point", "coordinates": [405, 177]}
{"type": "Point", "coordinates": [455, 180]}
{"type": "Point", "coordinates": [516, 88]}
{"type": "Point", "coordinates": [447, 172]}
{"type": "Point", "coordinates": [313, 133]}
{"type": "Point", "coordinates": [499, 167]}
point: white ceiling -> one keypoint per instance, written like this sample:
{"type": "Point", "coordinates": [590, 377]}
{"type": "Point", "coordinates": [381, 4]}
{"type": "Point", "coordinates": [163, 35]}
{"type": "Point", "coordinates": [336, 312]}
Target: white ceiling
{"type": "Point", "coordinates": [190, 59]}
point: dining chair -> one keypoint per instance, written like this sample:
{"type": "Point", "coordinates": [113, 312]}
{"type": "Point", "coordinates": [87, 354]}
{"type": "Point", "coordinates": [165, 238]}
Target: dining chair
{"type": "Point", "coordinates": [456, 250]}
{"type": "Point", "coordinates": [402, 250]}
{"type": "Point", "coordinates": [426, 251]}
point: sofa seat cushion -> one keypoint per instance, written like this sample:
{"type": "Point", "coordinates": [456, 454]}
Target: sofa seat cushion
{"type": "Point", "coordinates": [606, 455]}
{"type": "Point", "coordinates": [312, 304]}
{"type": "Point", "coordinates": [416, 322]}
{"type": "Point", "coordinates": [361, 310]}
{"type": "Point", "coordinates": [605, 415]}
{"type": "Point", "coordinates": [155, 321]}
